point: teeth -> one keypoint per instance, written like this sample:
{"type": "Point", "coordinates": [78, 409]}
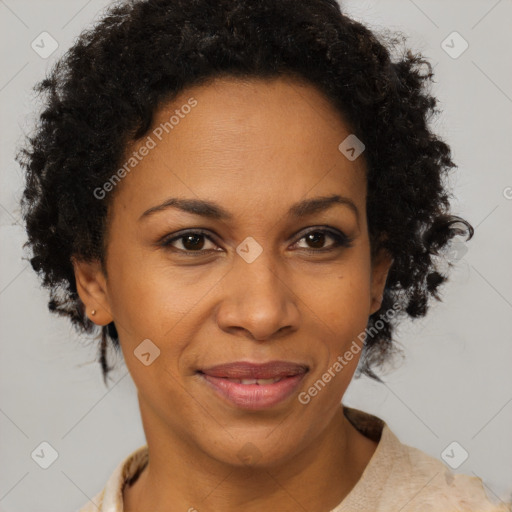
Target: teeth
{"type": "Point", "coordinates": [249, 381]}
{"type": "Point", "coordinates": [260, 382]}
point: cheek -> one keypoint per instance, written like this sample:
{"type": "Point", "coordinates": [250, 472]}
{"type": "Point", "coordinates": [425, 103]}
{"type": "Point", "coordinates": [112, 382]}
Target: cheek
{"type": "Point", "coordinates": [342, 304]}
{"type": "Point", "coordinates": [344, 317]}
{"type": "Point", "coordinates": [156, 313]}
{"type": "Point", "coordinates": [148, 300]}
{"type": "Point", "coordinates": [342, 297]}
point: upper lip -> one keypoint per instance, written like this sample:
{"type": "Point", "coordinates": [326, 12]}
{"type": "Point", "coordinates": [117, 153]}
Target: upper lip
{"type": "Point", "coordinates": [246, 370]}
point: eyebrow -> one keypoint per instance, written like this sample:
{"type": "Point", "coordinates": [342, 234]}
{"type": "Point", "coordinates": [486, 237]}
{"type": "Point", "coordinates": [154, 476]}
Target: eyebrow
{"type": "Point", "coordinates": [213, 210]}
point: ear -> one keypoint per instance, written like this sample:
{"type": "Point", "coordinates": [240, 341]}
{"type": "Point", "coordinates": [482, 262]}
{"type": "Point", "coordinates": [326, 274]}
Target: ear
{"type": "Point", "coordinates": [91, 285]}
{"type": "Point", "coordinates": [381, 264]}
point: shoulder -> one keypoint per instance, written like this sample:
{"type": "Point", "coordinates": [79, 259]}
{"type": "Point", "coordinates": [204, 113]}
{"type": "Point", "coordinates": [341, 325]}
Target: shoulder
{"type": "Point", "coordinates": [110, 499]}
{"type": "Point", "coordinates": [401, 477]}
{"type": "Point", "coordinates": [424, 483]}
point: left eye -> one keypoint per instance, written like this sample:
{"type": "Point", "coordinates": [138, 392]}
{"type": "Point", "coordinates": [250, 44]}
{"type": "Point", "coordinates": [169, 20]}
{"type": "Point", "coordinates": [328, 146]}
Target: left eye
{"type": "Point", "coordinates": [317, 239]}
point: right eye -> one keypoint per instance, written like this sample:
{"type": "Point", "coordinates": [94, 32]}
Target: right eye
{"type": "Point", "coordinates": [192, 241]}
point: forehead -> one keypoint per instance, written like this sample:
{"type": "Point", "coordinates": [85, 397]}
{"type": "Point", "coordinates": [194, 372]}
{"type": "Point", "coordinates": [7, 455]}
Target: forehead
{"type": "Point", "coordinates": [266, 140]}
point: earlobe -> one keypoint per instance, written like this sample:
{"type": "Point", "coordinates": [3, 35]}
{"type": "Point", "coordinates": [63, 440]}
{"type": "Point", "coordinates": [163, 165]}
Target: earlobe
{"type": "Point", "coordinates": [91, 286]}
{"type": "Point", "coordinates": [380, 269]}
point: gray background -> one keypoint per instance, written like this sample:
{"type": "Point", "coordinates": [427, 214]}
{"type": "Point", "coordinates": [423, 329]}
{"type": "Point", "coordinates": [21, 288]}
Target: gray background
{"type": "Point", "coordinates": [456, 381]}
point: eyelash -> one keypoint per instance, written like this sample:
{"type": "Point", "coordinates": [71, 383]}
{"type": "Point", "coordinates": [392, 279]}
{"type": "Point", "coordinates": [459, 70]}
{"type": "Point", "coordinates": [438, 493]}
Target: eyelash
{"type": "Point", "coordinates": [340, 240]}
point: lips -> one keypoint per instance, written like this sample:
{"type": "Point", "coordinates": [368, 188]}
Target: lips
{"type": "Point", "coordinates": [243, 370]}
{"type": "Point", "coordinates": [254, 386]}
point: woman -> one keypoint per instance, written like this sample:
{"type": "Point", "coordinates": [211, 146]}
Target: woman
{"type": "Point", "coordinates": [246, 198]}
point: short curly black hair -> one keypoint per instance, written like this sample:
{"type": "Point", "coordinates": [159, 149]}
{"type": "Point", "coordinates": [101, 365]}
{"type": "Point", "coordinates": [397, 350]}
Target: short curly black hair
{"type": "Point", "coordinates": [104, 92]}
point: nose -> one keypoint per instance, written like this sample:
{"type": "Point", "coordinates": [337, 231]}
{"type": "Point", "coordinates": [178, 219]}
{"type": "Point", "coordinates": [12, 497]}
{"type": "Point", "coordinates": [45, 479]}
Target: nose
{"type": "Point", "coordinates": [258, 300]}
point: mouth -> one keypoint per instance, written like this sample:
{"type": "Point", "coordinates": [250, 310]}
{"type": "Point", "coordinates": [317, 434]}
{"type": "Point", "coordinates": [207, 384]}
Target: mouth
{"type": "Point", "coordinates": [254, 386]}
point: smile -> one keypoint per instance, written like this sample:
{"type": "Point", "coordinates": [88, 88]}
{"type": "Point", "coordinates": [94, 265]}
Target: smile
{"type": "Point", "coordinates": [254, 386]}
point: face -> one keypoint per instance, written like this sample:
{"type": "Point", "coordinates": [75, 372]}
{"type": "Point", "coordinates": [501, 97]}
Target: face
{"type": "Point", "coordinates": [238, 249]}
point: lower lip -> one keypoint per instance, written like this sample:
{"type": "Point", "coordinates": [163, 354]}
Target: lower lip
{"type": "Point", "coordinates": [254, 396]}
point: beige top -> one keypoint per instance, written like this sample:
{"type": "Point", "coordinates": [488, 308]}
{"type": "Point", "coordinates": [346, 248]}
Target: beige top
{"type": "Point", "coordinates": [398, 478]}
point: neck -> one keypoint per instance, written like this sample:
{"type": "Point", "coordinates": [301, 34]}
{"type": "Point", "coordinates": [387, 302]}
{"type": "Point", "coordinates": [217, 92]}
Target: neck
{"type": "Point", "coordinates": [317, 479]}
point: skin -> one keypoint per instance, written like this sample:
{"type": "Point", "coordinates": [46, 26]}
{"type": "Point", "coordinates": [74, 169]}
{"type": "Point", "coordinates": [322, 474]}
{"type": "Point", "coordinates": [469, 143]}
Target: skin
{"type": "Point", "coordinates": [255, 148]}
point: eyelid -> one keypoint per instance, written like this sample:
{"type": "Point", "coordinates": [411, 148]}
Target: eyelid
{"type": "Point", "coordinates": [168, 239]}
{"type": "Point", "coordinates": [341, 239]}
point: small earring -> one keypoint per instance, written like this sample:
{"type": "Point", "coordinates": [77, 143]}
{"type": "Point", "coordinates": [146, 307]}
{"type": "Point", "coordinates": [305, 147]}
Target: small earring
{"type": "Point", "coordinates": [93, 312]}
